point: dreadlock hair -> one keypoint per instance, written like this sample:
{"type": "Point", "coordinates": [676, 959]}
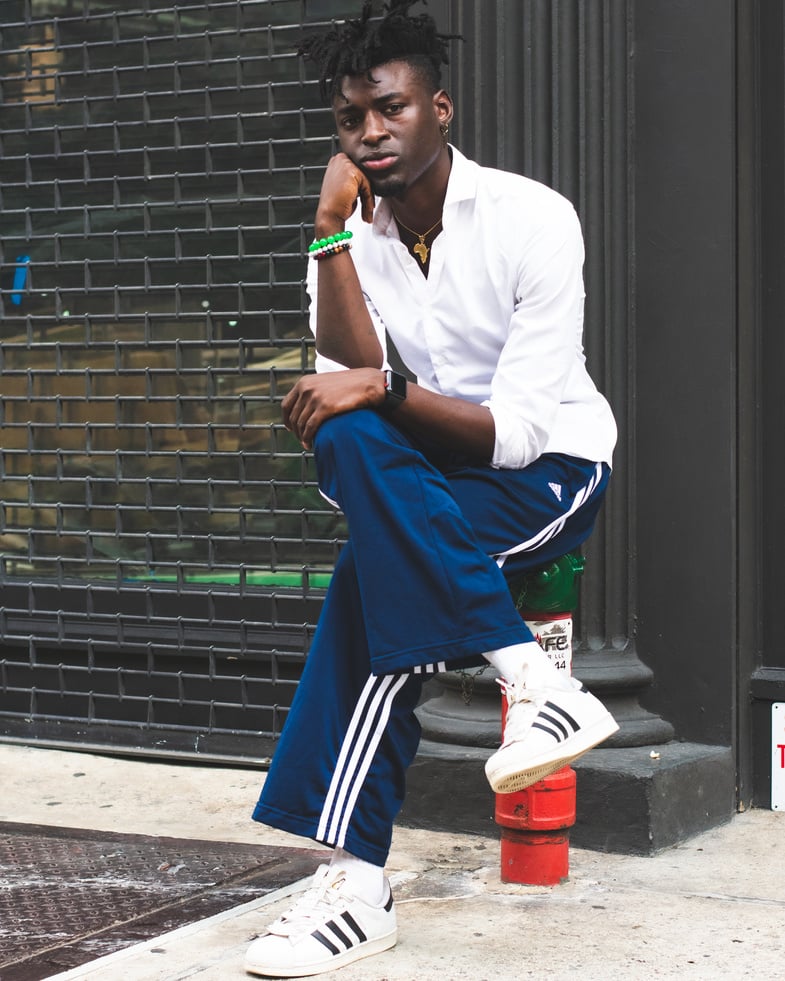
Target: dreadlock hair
{"type": "Point", "coordinates": [354, 47]}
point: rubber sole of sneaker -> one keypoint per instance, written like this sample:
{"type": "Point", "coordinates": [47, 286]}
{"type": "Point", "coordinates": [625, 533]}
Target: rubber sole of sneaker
{"type": "Point", "coordinates": [331, 963]}
{"type": "Point", "coordinates": [507, 778]}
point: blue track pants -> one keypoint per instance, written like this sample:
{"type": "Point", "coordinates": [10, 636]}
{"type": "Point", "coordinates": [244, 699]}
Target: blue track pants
{"type": "Point", "coordinates": [419, 587]}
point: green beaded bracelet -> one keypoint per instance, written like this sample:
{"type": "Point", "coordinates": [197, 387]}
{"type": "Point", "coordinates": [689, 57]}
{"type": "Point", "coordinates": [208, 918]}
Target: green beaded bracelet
{"type": "Point", "coordinates": [325, 245]}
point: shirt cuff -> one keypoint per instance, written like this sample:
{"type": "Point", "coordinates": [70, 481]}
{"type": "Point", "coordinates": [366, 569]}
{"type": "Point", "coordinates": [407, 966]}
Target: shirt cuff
{"type": "Point", "coordinates": [322, 364]}
{"type": "Point", "coordinates": [514, 447]}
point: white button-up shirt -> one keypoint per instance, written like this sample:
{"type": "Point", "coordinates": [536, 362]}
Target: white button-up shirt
{"type": "Point", "coordinates": [499, 319]}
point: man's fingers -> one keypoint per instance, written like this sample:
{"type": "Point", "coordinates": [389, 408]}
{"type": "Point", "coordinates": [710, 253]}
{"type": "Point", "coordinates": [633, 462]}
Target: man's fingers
{"type": "Point", "coordinates": [308, 431]}
{"type": "Point", "coordinates": [299, 409]}
{"type": "Point", "coordinates": [343, 183]}
{"type": "Point", "coordinates": [366, 200]}
{"type": "Point", "coordinates": [303, 423]}
{"type": "Point", "coordinates": [288, 403]}
{"type": "Point", "coordinates": [292, 407]}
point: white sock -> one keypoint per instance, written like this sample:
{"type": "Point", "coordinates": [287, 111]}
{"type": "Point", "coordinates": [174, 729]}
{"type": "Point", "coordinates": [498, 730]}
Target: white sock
{"type": "Point", "coordinates": [540, 673]}
{"type": "Point", "coordinates": [366, 880]}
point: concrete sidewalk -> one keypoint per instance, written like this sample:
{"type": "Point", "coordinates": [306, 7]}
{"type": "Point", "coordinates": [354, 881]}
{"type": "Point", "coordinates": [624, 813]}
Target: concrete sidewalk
{"type": "Point", "coordinates": [713, 907]}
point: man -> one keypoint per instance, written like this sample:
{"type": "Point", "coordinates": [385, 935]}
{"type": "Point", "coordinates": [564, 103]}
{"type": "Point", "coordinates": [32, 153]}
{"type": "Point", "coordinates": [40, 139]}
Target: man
{"type": "Point", "coordinates": [493, 462]}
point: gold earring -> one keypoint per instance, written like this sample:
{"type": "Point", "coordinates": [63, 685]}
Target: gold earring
{"type": "Point", "coordinates": [444, 129]}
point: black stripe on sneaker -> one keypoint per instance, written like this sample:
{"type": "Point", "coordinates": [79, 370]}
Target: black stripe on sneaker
{"type": "Point", "coordinates": [550, 730]}
{"type": "Point", "coordinates": [563, 714]}
{"type": "Point", "coordinates": [353, 925]}
{"type": "Point", "coordinates": [551, 723]}
{"type": "Point", "coordinates": [389, 904]}
{"type": "Point", "coordinates": [317, 935]}
{"type": "Point", "coordinates": [545, 717]}
{"type": "Point", "coordinates": [334, 928]}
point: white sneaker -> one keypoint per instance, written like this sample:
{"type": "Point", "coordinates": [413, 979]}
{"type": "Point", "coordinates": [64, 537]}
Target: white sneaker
{"type": "Point", "coordinates": [327, 928]}
{"type": "Point", "coordinates": [545, 729]}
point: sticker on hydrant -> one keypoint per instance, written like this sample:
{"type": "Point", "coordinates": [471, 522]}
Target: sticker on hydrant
{"type": "Point", "coordinates": [778, 756]}
{"type": "Point", "coordinates": [554, 635]}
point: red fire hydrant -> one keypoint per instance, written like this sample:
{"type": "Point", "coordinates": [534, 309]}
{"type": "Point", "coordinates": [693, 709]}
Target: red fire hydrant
{"type": "Point", "coordinates": [535, 823]}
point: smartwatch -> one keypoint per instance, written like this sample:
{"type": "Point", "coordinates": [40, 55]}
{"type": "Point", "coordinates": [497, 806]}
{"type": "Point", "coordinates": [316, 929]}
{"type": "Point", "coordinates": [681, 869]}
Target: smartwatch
{"type": "Point", "coordinates": [394, 388]}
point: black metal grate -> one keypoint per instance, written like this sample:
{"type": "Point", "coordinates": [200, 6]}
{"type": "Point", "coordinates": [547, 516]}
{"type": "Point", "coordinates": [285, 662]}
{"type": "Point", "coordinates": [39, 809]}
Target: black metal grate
{"type": "Point", "coordinates": [70, 896]}
{"type": "Point", "coordinates": [162, 545]}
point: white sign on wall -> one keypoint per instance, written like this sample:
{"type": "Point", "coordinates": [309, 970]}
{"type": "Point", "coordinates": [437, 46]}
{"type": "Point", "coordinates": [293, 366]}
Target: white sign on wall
{"type": "Point", "coordinates": [778, 756]}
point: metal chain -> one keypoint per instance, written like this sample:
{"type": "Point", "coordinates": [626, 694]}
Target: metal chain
{"type": "Point", "coordinates": [468, 679]}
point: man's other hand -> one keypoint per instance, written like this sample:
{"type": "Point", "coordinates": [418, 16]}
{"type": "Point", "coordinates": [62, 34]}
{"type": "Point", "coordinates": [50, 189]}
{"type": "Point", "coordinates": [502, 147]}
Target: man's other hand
{"type": "Point", "coordinates": [316, 398]}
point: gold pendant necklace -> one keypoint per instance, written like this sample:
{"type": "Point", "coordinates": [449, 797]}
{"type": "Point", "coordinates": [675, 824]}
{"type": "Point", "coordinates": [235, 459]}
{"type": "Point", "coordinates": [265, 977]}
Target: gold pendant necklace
{"type": "Point", "coordinates": [420, 249]}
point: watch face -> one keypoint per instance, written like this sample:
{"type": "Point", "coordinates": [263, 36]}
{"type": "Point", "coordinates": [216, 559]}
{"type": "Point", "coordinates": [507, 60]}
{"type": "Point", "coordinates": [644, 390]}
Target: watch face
{"type": "Point", "coordinates": [396, 385]}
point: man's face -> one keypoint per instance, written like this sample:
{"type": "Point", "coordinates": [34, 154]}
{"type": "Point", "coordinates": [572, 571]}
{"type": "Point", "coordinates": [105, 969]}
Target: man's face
{"type": "Point", "coordinates": [390, 127]}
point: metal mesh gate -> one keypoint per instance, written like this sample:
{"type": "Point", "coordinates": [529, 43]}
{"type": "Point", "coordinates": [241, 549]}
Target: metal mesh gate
{"type": "Point", "coordinates": [163, 549]}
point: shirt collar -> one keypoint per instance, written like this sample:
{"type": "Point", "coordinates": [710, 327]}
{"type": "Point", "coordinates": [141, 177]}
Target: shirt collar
{"type": "Point", "coordinates": [461, 186]}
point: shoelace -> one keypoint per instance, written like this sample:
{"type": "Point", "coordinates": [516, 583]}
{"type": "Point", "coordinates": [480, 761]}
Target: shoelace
{"type": "Point", "coordinates": [313, 907]}
{"type": "Point", "coordinates": [523, 704]}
